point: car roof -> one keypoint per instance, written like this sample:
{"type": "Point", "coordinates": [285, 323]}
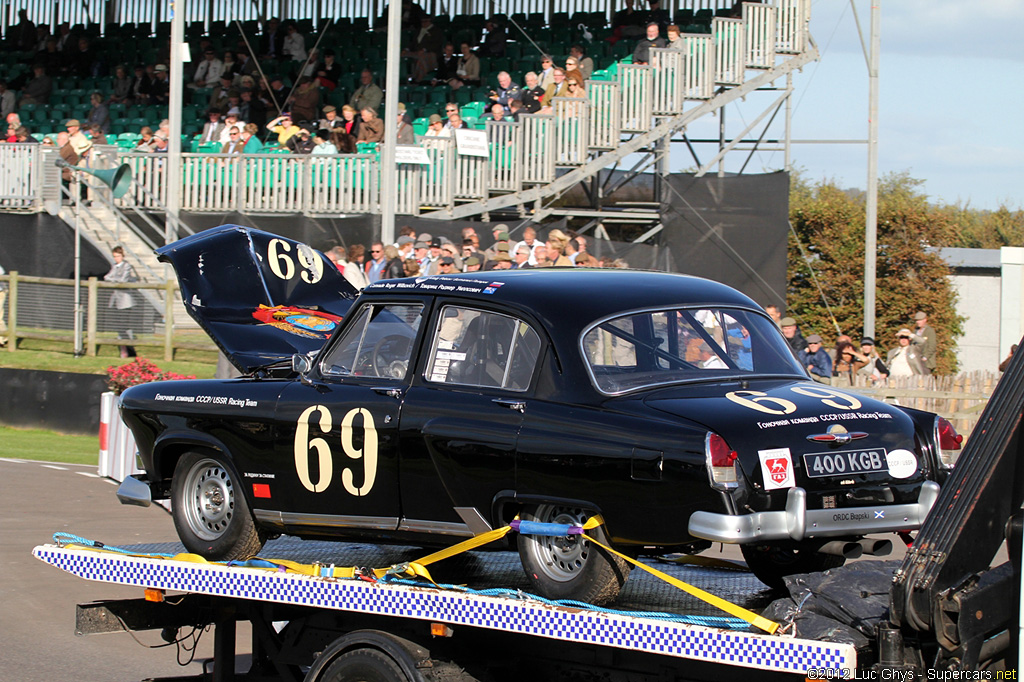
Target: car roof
{"type": "Point", "coordinates": [577, 295]}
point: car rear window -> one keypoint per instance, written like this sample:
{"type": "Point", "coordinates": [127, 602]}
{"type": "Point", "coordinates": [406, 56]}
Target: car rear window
{"type": "Point", "coordinates": [652, 348]}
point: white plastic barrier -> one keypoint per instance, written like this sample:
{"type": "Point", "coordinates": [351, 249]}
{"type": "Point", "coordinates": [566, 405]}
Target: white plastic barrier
{"type": "Point", "coordinates": [117, 444]}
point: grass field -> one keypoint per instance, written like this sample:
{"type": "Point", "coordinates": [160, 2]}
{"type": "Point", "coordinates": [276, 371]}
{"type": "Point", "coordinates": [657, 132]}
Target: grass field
{"type": "Point", "coordinates": [48, 446]}
{"type": "Point", "coordinates": [36, 444]}
{"type": "Point", "coordinates": [58, 357]}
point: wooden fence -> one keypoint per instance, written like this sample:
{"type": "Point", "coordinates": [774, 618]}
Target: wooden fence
{"type": "Point", "coordinates": [960, 398]}
{"type": "Point", "coordinates": [43, 308]}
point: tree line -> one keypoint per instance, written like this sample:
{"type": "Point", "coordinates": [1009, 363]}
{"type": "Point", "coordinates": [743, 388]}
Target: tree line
{"type": "Point", "coordinates": [826, 258]}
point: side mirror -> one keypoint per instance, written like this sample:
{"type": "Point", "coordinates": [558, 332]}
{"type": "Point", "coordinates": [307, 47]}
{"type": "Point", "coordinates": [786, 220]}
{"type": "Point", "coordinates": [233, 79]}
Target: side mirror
{"type": "Point", "coordinates": [301, 363]}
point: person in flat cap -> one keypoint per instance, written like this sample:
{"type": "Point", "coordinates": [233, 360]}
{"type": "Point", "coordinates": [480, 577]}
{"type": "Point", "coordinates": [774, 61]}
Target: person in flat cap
{"type": "Point", "coordinates": [926, 339]}
{"type": "Point", "coordinates": [501, 237]}
{"type": "Point", "coordinates": [794, 338]}
{"type": "Point", "coordinates": [446, 265]}
{"type": "Point", "coordinates": [331, 120]}
{"type": "Point", "coordinates": [502, 261]}
{"type": "Point", "coordinates": [473, 264]}
{"type": "Point", "coordinates": [867, 362]}
{"type": "Point", "coordinates": [905, 359]}
{"type": "Point", "coordinates": [816, 360]}
{"type": "Point", "coordinates": [435, 127]}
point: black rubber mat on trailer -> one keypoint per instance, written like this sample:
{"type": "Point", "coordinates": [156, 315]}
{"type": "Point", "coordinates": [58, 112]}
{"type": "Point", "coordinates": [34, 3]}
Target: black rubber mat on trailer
{"type": "Point", "coordinates": [488, 570]}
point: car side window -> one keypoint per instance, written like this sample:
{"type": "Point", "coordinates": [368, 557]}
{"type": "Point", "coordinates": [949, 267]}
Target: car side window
{"type": "Point", "coordinates": [377, 342]}
{"type": "Point", "coordinates": [481, 348]}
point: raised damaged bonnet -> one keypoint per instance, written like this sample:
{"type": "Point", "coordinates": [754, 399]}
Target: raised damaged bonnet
{"type": "Point", "coordinates": [259, 296]}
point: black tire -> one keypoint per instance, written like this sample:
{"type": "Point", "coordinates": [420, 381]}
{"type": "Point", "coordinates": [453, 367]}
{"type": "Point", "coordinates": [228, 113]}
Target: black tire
{"type": "Point", "coordinates": [570, 567]}
{"type": "Point", "coordinates": [210, 512]}
{"type": "Point", "coordinates": [364, 665]}
{"type": "Point", "coordinates": [772, 563]}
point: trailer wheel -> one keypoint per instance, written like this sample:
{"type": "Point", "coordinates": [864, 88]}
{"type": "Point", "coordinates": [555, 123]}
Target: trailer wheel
{"type": "Point", "coordinates": [570, 567]}
{"type": "Point", "coordinates": [771, 563]}
{"type": "Point", "coordinates": [210, 512]}
{"type": "Point", "coordinates": [364, 665]}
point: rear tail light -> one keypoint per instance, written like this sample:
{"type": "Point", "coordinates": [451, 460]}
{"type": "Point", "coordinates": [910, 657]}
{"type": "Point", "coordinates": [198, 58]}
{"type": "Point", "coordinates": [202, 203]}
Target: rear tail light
{"type": "Point", "coordinates": [949, 442]}
{"type": "Point", "coordinates": [721, 460]}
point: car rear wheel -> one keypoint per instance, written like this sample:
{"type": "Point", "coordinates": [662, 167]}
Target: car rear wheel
{"type": "Point", "coordinates": [771, 563]}
{"type": "Point", "coordinates": [210, 512]}
{"type": "Point", "coordinates": [570, 567]}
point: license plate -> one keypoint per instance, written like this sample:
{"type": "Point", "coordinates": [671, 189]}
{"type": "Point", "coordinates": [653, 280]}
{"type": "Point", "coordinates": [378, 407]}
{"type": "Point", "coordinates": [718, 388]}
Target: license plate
{"type": "Point", "coordinates": [822, 464]}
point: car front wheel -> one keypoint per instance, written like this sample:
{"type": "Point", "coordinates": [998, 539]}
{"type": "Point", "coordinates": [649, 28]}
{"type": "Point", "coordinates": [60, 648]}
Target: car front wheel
{"type": "Point", "coordinates": [570, 567]}
{"type": "Point", "coordinates": [210, 513]}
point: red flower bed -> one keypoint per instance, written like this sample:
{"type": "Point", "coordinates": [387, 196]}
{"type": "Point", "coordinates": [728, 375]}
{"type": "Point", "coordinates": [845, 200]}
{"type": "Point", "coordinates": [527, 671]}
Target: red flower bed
{"type": "Point", "coordinates": [138, 371]}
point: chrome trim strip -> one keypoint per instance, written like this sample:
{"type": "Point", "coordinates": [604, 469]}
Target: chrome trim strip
{"type": "Point", "coordinates": [275, 518]}
{"type": "Point", "coordinates": [797, 522]}
{"type": "Point", "coordinates": [435, 527]}
{"type": "Point", "coordinates": [474, 519]}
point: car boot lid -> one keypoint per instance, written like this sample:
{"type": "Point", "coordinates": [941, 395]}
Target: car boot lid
{"type": "Point", "coordinates": [261, 297]}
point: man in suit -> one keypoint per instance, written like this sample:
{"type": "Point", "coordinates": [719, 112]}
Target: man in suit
{"type": "Point", "coordinates": [213, 129]}
{"type": "Point", "coordinates": [234, 145]}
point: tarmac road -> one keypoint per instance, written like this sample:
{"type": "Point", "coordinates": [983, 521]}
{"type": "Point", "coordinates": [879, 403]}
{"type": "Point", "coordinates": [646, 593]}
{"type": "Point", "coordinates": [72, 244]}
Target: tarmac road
{"type": "Point", "coordinates": [37, 601]}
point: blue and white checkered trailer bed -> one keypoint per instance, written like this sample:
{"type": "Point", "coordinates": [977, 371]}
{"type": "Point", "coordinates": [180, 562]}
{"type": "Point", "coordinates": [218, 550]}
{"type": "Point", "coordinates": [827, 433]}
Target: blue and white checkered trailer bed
{"type": "Point", "coordinates": [653, 626]}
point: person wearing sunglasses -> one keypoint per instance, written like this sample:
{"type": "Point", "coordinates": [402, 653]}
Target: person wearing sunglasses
{"type": "Point", "coordinates": [547, 71]}
{"type": "Point", "coordinates": [375, 266]}
{"type": "Point", "coordinates": [234, 145]}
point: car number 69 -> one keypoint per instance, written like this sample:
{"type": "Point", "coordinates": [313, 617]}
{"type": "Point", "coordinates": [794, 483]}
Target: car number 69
{"type": "Point", "coordinates": [762, 402]}
{"type": "Point", "coordinates": [304, 445]}
{"type": "Point", "coordinates": [278, 257]}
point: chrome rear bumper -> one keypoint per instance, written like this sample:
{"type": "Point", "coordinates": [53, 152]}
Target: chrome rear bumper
{"type": "Point", "coordinates": [797, 522]}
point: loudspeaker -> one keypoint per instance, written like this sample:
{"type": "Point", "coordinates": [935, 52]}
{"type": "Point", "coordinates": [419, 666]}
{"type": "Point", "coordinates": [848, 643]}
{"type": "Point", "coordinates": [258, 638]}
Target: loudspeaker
{"type": "Point", "coordinates": [119, 180]}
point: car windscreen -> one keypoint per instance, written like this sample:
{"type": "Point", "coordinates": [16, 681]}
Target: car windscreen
{"type": "Point", "coordinates": [654, 348]}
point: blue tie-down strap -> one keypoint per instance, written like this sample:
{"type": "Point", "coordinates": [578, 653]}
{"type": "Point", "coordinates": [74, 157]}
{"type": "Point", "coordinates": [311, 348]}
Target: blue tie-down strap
{"type": "Point", "coordinates": [556, 530]}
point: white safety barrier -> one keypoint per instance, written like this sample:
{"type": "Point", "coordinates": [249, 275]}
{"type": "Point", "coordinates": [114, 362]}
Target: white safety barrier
{"type": "Point", "coordinates": [668, 69]}
{"type": "Point", "coordinates": [730, 47]}
{"type": "Point", "coordinates": [759, 21]}
{"type": "Point", "coordinates": [506, 168]}
{"type": "Point", "coordinates": [538, 148]}
{"type": "Point", "coordinates": [605, 109]}
{"type": "Point", "coordinates": [117, 444]}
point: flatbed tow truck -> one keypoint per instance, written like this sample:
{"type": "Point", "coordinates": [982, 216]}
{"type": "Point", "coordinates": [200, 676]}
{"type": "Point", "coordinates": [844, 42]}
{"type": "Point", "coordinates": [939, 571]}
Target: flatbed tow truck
{"type": "Point", "coordinates": [951, 615]}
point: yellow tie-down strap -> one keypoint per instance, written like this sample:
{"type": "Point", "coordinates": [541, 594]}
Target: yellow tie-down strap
{"type": "Point", "coordinates": [418, 569]}
{"type": "Point", "coordinates": [747, 615]}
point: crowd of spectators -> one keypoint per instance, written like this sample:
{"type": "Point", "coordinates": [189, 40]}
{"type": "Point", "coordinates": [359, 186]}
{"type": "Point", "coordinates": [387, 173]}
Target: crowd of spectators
{"type": "Point", "coordinates": [913, 352]}
{"type": "Point", "coordinates": [289, 105]}
{"type": "Point", "coordinates": [422, 254]}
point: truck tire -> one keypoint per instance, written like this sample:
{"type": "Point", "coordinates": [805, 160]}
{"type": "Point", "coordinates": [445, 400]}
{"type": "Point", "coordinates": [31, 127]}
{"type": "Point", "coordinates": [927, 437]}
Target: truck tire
{"type": "Point", "coordinates": [364, 665]}
{"type": "Point", "coordinates": [771, 564]}
{"type": "Point", "coordinates": [570, 567]}
{"type": "Point", "coordinates": [210, 512]}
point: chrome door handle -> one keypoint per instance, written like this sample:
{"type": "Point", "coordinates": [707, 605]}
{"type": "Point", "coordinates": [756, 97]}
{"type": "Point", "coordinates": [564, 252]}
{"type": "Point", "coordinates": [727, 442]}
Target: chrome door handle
{"type": "Point", "coordinates": [389, 391]}
{"type": "Point", "coordinates": [517, 405]}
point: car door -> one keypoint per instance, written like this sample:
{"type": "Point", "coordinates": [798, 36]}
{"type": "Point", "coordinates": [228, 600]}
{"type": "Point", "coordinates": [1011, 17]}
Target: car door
{"type": "Point", "coordinates": [339, 427]}
{"type": "Point", "coordinates": [462, 417]}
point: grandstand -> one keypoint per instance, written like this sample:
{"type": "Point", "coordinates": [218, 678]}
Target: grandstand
{"type": "Point", "coordinates": [727, 51]}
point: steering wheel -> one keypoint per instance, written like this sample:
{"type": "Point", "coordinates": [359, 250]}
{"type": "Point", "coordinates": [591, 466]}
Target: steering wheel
{"type": "Point", "coordinates": [391, 356]}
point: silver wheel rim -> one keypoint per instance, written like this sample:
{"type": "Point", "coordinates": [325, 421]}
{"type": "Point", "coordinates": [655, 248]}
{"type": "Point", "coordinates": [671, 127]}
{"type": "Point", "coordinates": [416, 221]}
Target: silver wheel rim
{"type": "Point", "coordinates": [209, 499]}
{"type": "Point", "coordinates": [560, 559]}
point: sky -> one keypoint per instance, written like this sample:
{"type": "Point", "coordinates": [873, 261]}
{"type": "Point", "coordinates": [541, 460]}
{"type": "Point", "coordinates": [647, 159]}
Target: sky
{"type": "Point", "coordinates": [951, 101]}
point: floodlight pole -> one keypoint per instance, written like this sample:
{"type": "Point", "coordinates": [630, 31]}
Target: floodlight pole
{"type": "Point", "coordinates": [173, 177]}
{"type": "Point", "coordinates": [79, 350]}
{"type": "Point", "coordinates": [388, 171]}
{"type": "Point", "coordinates": [871, 208]}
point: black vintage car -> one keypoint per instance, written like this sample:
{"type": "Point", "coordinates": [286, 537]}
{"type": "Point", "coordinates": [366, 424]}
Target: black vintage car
{"type": "Point", "coordinates": [440, 407]}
